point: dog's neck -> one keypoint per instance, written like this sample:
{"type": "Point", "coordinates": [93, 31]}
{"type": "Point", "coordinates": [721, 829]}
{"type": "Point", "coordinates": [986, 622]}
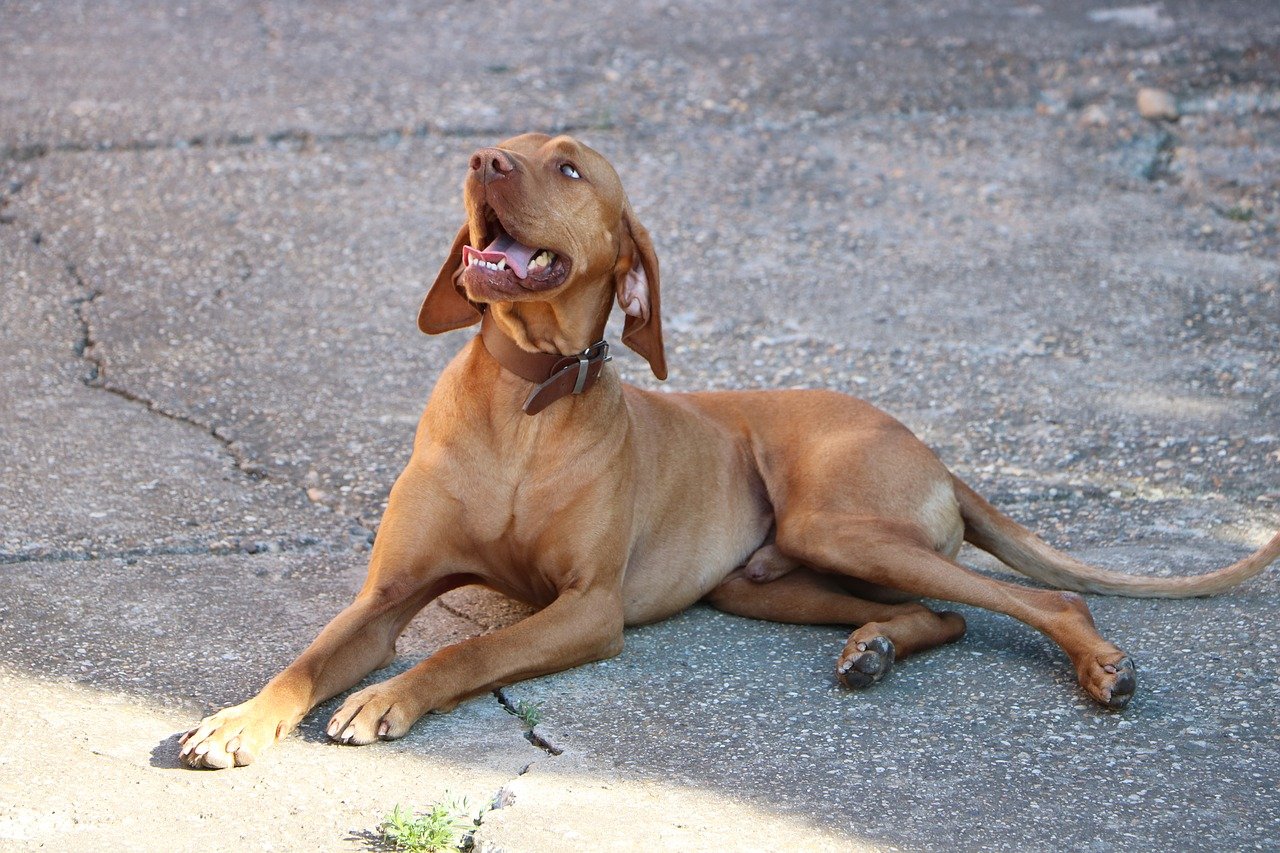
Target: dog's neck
{"type": "Point", "coordinates": [543, 344]}
{"type": "Point", "coordinates": [562, 326]}
{"type": "Point", "coordinates": [550, 377]}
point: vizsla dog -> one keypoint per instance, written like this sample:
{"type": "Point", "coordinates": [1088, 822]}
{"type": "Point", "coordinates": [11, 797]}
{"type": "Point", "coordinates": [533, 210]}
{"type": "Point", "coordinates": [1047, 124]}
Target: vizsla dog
{"type": "Point", "coordinates": [536, 472]}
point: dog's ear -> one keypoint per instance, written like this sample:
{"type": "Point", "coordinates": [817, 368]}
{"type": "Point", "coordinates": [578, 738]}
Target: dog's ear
{"type": "Point", "coordinates": [446, 308]}
{"type": "Point", "coordinates": [636, 280]}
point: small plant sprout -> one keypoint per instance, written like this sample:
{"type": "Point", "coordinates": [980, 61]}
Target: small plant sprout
{"type": "Point", "coordinates": [530, 713]}
{"type": "Point", "coordinates": [447, 826]}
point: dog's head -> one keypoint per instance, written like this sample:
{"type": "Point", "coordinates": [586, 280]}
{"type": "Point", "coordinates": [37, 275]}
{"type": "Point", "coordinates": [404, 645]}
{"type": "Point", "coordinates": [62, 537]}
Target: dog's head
{"type": "Point", "coordinates": [548, 221]}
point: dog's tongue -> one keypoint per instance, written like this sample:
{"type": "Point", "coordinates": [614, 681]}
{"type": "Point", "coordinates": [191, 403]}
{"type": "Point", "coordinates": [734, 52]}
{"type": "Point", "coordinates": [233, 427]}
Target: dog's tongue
{"type": "Point", "coordinates": [518, 254]}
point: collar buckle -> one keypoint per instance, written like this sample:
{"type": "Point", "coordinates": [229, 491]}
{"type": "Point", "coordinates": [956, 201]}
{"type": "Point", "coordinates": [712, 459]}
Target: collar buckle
{"type": "Point", "coordinates": [557, 384]}
{"type": "Point", "coordinates": [599, 351]}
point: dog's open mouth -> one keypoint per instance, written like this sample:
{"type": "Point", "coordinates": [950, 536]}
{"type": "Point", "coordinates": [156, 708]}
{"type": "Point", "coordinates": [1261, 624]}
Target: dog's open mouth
{"type": "Point", "coordinates": [508, 266]}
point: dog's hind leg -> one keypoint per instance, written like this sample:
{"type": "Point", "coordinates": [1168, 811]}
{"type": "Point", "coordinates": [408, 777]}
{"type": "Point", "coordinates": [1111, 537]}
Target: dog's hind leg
{"type": "Point", "coordinates": [801, 596]}
{"type": "Point", "coordinates": [895, 554]}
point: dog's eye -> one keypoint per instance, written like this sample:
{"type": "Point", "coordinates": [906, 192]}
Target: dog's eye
{"type": "Point", "coordinates": [568, 171]}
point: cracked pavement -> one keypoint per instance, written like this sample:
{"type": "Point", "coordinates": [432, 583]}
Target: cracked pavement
{"type": "Point", "coordinates": [216, 224]}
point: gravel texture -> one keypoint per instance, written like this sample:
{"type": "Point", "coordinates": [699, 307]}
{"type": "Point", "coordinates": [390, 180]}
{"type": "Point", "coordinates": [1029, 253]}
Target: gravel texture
{"type": "Point", "coordinates": [217, 220]}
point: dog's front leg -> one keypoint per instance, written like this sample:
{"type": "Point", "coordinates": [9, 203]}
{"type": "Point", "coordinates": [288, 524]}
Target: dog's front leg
{"type": "Point", "coordinates": [580, 626]}
{"type": "Point", "coordinates": [350, 646]}
{"type": "Point", "coordinates": [407, 569]}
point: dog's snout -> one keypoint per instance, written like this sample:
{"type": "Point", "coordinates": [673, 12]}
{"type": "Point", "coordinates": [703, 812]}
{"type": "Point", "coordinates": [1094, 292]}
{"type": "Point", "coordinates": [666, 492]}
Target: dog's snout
{"type": "Point", "coordinates": [492, 163]}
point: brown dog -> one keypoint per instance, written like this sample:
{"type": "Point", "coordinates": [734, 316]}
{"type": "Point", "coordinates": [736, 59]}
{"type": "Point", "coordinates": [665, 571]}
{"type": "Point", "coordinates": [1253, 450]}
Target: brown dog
{"type": "Point", "coordinates": [616, 507]}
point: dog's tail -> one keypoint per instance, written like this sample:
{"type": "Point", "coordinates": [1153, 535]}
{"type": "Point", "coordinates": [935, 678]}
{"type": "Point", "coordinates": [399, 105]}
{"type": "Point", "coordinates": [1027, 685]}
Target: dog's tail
{"type": "Point", "coordinates": [1019, 548]}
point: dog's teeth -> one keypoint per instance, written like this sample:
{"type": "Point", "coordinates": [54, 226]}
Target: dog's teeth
{"type": "Point", "coordinates": [502, 264]}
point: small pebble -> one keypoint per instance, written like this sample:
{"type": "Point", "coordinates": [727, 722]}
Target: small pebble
{"type": "Point", "coordinates": [1157, 104]}
{"type": "Point", "coordinates": [1094, 116]}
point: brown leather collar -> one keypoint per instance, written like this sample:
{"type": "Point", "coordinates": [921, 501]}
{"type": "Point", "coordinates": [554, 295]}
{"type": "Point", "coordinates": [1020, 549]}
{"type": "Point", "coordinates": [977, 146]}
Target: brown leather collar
{"type": "Point", "coordinates": [553, 375]}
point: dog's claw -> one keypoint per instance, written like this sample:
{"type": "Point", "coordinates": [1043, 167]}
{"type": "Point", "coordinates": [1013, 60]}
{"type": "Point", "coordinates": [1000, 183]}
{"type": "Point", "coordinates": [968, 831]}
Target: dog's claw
{"type": "Point", "coordinates": [870, 662]}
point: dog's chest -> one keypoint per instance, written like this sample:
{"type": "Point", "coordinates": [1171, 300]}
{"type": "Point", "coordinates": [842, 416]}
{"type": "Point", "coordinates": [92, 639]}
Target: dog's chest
{"type": "Point", "coordinates": [526, 509]}
{"type": "Point", "coordinates": [509, 504]}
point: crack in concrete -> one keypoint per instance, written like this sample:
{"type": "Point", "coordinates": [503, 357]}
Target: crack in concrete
{"type": "Point", "coordinates": [85, 348]}
{"type": "Point", "coordinates": [503, 798]}
{"type": "Point", "coordinates": [85, 342]}
{"type": "Point", "coordinates": [295, 136]}
{"type": "Point", "coordinates": [461, 614]}
{"type": "Point", "coordinates": [8, 193]}
{"type": "Point", "coordinates": [217, 546]}
{"type": "Point", "coordinates": [536, 737]}
{"type": "Point", "coordinates": [428, 130]}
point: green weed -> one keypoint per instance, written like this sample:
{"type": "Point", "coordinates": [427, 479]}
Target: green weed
{"type": "Point", "coordinates": [447, 826]}
{"type": "Point", "coordinates": [530, 713]}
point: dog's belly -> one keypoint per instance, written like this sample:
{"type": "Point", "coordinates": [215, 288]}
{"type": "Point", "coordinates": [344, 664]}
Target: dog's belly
{"type": "Point", "coordinates": [700, 506]}
{"type": "Point", "coordinates": [678, 565]}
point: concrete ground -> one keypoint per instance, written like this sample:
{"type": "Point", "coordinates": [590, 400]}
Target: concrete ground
{"type": "Point", "coordinates": [216, 223]}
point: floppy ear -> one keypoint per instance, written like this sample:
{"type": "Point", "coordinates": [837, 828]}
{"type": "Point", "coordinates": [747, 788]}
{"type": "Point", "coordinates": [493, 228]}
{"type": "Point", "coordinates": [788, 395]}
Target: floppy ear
{"type": "Point", "coordinates": [636, 280]}
{"type": "Point", "coordinates": [445, 307]}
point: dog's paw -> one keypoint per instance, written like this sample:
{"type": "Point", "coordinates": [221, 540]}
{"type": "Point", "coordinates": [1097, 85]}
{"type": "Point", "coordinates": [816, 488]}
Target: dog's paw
{"type": "Point", "coordinates": [375, 713]}
{"type": "Point", "coordinates": [1110, 678]}
{"type": "Point", "coordinates": [233, 737]}
{"type": "Point", "coordinates": [865, 661]}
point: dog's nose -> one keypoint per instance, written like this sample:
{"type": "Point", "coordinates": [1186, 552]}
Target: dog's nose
{"type": "Point", "coordinates": [492, 163]}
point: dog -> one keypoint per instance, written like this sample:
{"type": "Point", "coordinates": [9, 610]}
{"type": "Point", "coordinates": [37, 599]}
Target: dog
{"type": "Point", "coordinates": [537, 473]}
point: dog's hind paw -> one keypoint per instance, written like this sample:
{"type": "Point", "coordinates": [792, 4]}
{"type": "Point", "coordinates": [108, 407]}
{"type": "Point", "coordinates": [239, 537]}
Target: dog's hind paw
{"type": "Point", "coordinates": [865, 662]}
{"type": "Point", "coordinates": [1111, 682]}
